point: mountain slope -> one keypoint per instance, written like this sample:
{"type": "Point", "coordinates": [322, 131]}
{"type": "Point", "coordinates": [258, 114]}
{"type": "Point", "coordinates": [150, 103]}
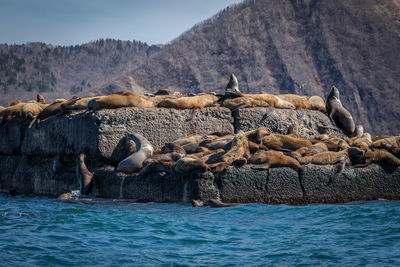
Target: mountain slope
{"type": "Point", "coordinates": [300, 47]}
{"type": "Point", "coordinates": [287, 46]}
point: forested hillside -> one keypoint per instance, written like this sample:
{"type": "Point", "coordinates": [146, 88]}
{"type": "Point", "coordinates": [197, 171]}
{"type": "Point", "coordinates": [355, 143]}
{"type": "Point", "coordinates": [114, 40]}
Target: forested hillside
{"type": "Point", "coordinates": [287, 46]}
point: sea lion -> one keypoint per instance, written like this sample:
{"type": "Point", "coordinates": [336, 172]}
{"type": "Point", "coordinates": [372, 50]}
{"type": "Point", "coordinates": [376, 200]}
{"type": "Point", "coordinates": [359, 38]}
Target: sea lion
{"type": "Point", "coordinates": [337, 113]}
{"type": "Point", "coordinates": [300, 102]}
{"type": "Point", "coordinates": [171, 147]}
{"type": "Point", "coordinates": [257, 135]}
{"type": "Point", "coordinates": [189, 102]}
{"type": "Point", "coordinates": [197, 203]}
{"type": "Point", "coordinates": [134, 162]}
{"type": "Point", "coordinates": [325, 158]}
{"type": "Point", "coordinates": [159, 165]}
{"type": "Point", "coordinates": [216, 203]}
{"type": "Point", "coordinates": [359, 131]}
{"type": "Point", "coordinates": [65, 196]}
{"type": "Point", "coordinates": [1, 108]}
{"type": "Point", "coordinates": [317, 103]}
{"type": "Point", "coordinates": [30, 110]}
{"type": "Point", "coordinates": [244, 102]}
{"type": "Point", "coordinates": [83, 175]}
{"type": "Point", "coordinates": [391, 144]}
{"type": "Point", "coordinates": [267, 159]}
{"type": "Point", "coordinates": [78, 103]}
{"type": "Point", "coordinates": [9, 112]}
{"type": "Point", "coordinates": [333, 143]}
{"type": "Point", "coordinates": [381, 156]}
{"type": "Point", "coordinates": [285, 142]}
{"type": "Point", "coordinates": [52, 110]}
{"type": "Point", "coordinates": [40, 99]}
{"type": "Point", "coordinates": [121, 99]}
{"type": "Point", "coordinates": [233, 86]}
{"type": "Point", "coordinates": [362, 142]}
{"type": "Point", "coordinates": [163, 92]}
{"type": "Point", "coordinates": [187, 165]}
{"type": "Point", "coordinates": [16, 102]}
{"type": "Point", "coordinates": [238, 151]}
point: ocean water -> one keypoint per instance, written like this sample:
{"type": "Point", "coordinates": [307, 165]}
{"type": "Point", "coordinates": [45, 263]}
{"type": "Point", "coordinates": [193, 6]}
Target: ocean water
{"type": "Point", "coordinates": [47, 232]}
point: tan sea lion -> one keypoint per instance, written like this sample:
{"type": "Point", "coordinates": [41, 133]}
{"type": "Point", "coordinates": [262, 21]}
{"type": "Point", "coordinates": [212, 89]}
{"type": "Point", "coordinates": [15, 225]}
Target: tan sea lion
{"type": "Point", "coordinates": [391, 144]}
{"type": "Point", "coordinates": [333, 143]}
{"type": "Point", "coordinates": [83, 175]}
{"type": "Point", "coordinates": [121, 99]}
{"type": "Point", "coordinates": [159, 165]}
{"type": "Point", "coordinates": [267, 159]}
{"type": "Point", "coordinates": [78, 103]}
{"type": "Point", "coordinates": [9, 112]}
{"type": "Point", "coordinates": [300, 102]}
{"type": "Point", "coordinates": [134, 162]}
{"type": "Point", "coordinates": [189, 102]}
{"type": "Point", "coordinates": [285, 142]}
{"type": "Point", "coordinates": [65, 196]}
{"type": "Point", "coordinates": [338, 113]}
{"type": "Point", "coordinates": [216, 203]}
{"type": "Point", "coordinates": [30, 110]}
{"type": "Point", "coordinates": [317, 103]}
{"type": "Point", "coordinates": [244, 102]}
{"type": "Point", "coordinates": [1, 108]}
{"type": "Point", "coordinates": [197, 203]}
{"type": "Point", "coordinates": [257, 135]}
{"type": "Point", "coordinates": [325, 158]}
{"type": "Point", "coordinates": [362, 142]}
{"type": "Point", "coordinates": [40, 99]}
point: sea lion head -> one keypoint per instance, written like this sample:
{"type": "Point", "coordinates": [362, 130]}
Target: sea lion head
{"type": "Point", "coordinates": [334, 92]}
{"type": "Point", "coordinates": [233, 85]}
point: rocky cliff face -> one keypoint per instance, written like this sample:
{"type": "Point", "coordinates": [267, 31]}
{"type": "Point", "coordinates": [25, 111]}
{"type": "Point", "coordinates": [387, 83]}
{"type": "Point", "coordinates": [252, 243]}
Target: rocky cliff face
{"type": "Point", "coordinates": [288, 46]}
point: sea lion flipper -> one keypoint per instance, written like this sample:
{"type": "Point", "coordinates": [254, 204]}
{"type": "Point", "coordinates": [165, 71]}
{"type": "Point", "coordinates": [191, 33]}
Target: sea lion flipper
{"type": "Point", "coordinates": [192, 113]}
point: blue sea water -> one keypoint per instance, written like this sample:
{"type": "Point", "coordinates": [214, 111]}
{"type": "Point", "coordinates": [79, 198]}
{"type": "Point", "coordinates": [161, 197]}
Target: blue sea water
{"type": "Point", "coordinates": [47, 232]}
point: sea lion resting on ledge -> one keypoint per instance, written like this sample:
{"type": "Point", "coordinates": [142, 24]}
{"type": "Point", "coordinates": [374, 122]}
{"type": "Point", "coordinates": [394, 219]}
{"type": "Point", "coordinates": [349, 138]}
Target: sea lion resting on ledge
{"type": "Point", "coordinates": [189, 102]}
{"type": "Point", "coordinates": [121, 99]}
{"type": "Point", "coordinates": [134, 162]}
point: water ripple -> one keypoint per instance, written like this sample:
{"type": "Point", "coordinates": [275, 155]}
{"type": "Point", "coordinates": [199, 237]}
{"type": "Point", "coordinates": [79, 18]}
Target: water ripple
{"type": "Point", "coordinates": [41, 231]}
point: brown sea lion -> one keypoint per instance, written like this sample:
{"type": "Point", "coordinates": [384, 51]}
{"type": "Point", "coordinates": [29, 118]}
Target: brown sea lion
{"type": "Point", "coordinates": [362, 142]}
{"type": "Point", "coordinates": [171, 147]}
{"type": "Point", "coordinates": [121, 99]}
{"type": "Point", "coordinates": [381, 156]}
{"type": "Point", "coordinates": [197, 203]}
{"type": "Point", "coordinates": [391, 144]}
{"type": "Point", "coordinates": [325, 158]}
{"type": "Point", "coordinates": [285, 142]}
{"type": "Point", "coordinates": [333, 143]}
{"type": "Point", "coordinates": [338, 113]}
{"type": "Point", "coordinates": [134, 162]}
{"type": "Point", "coordinates": [83, 175]}
{"type": "Point", "coordinates": [244, 102]}
{"type": "Point", "coordinates": [317, 103]}
{"type": "Point", "coordinates": [1, 108]}
{"type": "Point", "coordinates": [159, 165]}
{"type": "Point", "coordinates": [267, 159]}
{"type": "Point", "coordinates": [216, 203]}
{"type": "Point", "coordinates": [9, 112]}
{"type": "Point", "coordinates": [189, 102]}
{"type": "Point", "coordinates": [40, 99]}
{"type": "Point", "coordinates": [16, 102]}
{"type": "Point", "coordinates": [187, 165]}
{"type": "Point", "coordinates": [52, 110]}
{"type": "Point", "coordinates": [257, 135]}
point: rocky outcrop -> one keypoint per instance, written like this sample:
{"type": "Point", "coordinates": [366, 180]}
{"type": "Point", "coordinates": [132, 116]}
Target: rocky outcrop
{"type": "Point", "coordinates": [27, 158]}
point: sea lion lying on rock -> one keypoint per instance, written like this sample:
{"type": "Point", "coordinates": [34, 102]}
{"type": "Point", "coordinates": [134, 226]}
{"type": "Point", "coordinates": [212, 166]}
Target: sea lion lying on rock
{"type": "Point", "coordinates": [121, 99]}
{"type": "Point", "coordinates": [134, 162]}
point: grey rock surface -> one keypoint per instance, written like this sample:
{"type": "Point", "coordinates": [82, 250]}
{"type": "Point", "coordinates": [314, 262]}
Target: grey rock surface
{"type": "Point", "coordinates": [11, 136]}
{"type": "Point", "coordinates": [99, 134]}
{"type": "Point", "coordinates": [311, 122]}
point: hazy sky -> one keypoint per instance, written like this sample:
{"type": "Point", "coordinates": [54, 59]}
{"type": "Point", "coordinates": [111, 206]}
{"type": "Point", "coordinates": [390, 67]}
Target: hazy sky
{"type": "Point", "coordinates": [70, 22]}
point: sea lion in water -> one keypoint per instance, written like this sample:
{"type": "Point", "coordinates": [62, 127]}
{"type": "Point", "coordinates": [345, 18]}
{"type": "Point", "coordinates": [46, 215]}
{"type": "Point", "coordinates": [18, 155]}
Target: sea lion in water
{"type": "Point", "coordinates": [338, 113]}
{"type": "Point", "coordinates": [121, 99]}
{"type": "Point", "coordinates": [40, 99]}
{"type": "Point", "coordinates": [65, 196]}
{"type": "Point", "coordinates": [83, 175]}
{"type": "Point", "coordinates": [267, 159]}
{"type": "Point", "coordinates": [134, 162]}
